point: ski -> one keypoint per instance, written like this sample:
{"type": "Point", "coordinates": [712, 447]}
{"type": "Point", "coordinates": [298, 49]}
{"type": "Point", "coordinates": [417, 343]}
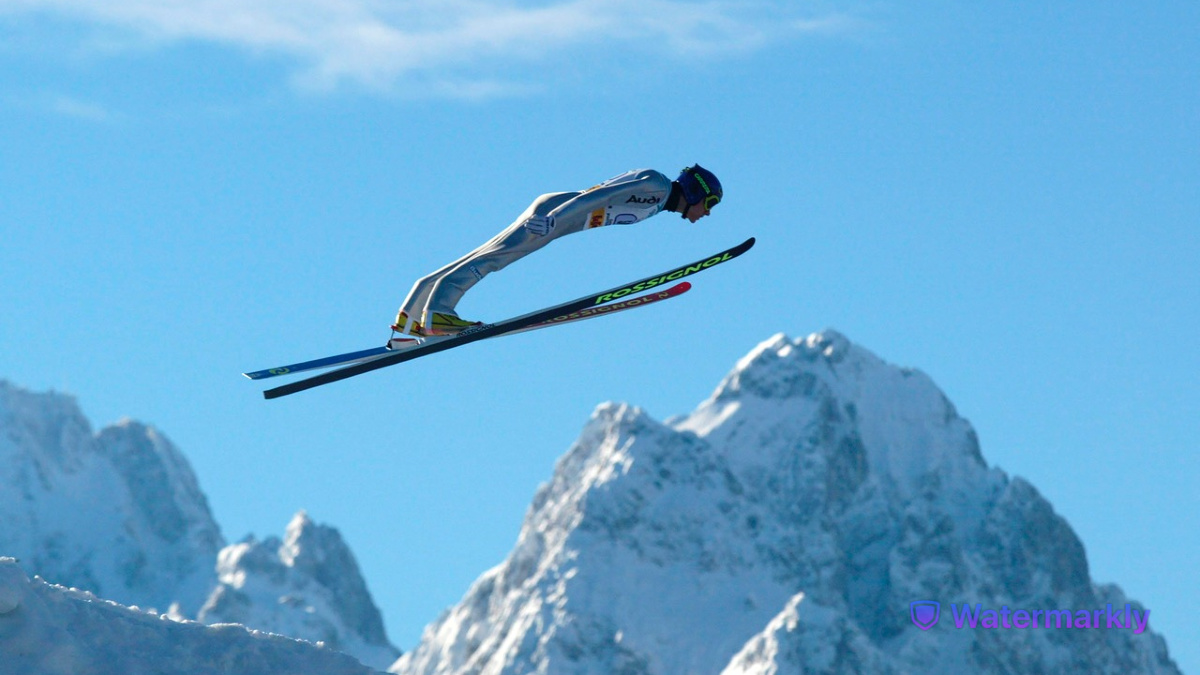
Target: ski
{"type": "Point", "coordinates": [315, 364]}
{"type": "Point", "coordinates": [602, 310]}
{"type": "Point", "coordinates": [515, 324]}
{"type": "Point", "coordinates": [369, 354]}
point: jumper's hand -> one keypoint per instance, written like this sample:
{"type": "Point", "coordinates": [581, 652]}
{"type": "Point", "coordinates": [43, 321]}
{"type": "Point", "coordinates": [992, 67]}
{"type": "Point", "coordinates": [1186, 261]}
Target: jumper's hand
{"type": "Point", "coordinates": [540, 225]}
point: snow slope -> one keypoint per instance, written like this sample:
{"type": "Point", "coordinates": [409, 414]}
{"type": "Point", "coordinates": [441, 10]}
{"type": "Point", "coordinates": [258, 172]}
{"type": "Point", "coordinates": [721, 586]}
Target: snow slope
{"type": "Point", "coordinates": [782, 527]}
{"type": "Point", "coordinates": [52, 630]}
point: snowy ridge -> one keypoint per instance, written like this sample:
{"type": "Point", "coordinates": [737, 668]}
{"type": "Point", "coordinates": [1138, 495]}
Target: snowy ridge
{"type": "Point", "coordinates": [52, 630]}
{"type": "Point", "coordinates": [120, 513]}
{"type": "Point", "coordinates": [782, 527]}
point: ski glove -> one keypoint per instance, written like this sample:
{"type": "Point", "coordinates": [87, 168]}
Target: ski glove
{"type": "Point", "coordinates": [540, 225]}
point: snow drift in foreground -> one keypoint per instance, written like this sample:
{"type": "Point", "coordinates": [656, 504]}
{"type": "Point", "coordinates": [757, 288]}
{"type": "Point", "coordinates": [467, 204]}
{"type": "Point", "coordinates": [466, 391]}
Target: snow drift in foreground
{"type": "Point", "coordinates": [784, 526]}
{"type": "Point", "coordinates": [52, 630]}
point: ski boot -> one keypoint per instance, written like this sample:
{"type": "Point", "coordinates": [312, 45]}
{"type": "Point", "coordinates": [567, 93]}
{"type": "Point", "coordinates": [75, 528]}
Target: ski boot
{"type": "Point", "coordinates": [445, 324]}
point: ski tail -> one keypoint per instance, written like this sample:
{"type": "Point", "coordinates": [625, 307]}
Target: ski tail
{"type": "Point", "coordinates": [511, 325]}
{"type": "Point", "coordinates": [326, 362]}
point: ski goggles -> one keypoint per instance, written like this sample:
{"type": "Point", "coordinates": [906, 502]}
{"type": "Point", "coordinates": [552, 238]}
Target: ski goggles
{"type": "Point", "coordinates": [711, 198]}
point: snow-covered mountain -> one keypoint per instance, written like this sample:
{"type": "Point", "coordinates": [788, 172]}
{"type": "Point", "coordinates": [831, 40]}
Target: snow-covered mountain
{"type": "Point", "coordinates": [120, 513]}
{"type": "Point", "coordinates": [784, 526]}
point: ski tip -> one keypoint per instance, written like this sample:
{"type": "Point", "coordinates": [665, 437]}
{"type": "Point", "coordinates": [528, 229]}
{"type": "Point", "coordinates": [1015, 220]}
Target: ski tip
{"type": "Point", "coordinates": [741, 248]}
{"type": "Point", "coordinates": [676, 290]}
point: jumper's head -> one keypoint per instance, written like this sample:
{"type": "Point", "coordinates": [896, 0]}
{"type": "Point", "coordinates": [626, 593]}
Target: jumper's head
{"type": "Point", "coordinates": [700, 186]}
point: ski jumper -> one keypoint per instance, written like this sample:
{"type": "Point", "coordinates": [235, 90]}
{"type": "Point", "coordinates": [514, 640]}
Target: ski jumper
{"type": "Point", "coordinates": [621, 200]}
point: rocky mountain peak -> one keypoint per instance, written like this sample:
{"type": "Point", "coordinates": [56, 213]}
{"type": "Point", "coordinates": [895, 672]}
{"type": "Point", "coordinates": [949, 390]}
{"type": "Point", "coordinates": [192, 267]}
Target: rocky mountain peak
{"type": "Point", "coordinates": [307, 584]}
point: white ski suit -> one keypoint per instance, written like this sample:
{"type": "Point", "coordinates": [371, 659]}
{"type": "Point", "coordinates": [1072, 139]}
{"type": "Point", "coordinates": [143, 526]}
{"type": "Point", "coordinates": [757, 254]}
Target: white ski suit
{"type": "Point", "coordinates": [624, 199]}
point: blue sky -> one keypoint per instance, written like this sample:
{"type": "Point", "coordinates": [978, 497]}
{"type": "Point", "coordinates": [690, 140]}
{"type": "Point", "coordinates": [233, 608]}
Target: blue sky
{"type": "Point", "coordinates": [1003, 196]}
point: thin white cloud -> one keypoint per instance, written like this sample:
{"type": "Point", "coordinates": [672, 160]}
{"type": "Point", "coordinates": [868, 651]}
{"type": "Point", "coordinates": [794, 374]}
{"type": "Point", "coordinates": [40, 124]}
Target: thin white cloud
{"type": "Point", "coordinates": [69, 106]}
{"type": "Point", "coordinates": [451, 45]}
{"type": "Point", "coordinates": [65, 106]}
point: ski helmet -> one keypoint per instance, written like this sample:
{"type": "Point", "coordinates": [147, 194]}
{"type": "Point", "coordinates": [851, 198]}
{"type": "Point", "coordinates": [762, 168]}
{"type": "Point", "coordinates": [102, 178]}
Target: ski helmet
{"type": "Point", "coordinates": [700, 185]}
